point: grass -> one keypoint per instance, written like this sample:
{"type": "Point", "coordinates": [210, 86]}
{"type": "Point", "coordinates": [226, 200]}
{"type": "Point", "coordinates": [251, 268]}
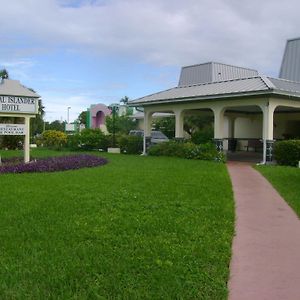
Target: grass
{"type": "Point", "coordinates": [136, 228]}
{"type": "Point", "coordinates": [286, 181]}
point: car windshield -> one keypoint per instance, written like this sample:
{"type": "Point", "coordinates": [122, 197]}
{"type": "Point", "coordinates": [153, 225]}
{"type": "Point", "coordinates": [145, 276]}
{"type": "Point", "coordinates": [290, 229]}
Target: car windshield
{"type": "Point", "coordinates": [136, 132]}
{"type": "Point", "coordinates": [158, 135]}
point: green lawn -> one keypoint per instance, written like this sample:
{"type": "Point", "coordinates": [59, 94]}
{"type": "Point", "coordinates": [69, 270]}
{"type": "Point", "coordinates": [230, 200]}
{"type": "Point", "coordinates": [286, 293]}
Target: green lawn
{"type": "Point", "coordinates": [136, 228]}
{"type": "Point", "coordinates": [287, 181]}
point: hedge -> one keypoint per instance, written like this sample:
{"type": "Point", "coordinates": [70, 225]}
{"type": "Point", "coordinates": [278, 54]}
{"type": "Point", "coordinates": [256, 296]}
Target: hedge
{"type": "Point", "coordinates": [130, 144]}
{"type": "Point", "coordinates": [187, 150]}
{"type": "Point", "coordinates": [88, 139]}
{"type": "Point", "coordinates": [287, 152]}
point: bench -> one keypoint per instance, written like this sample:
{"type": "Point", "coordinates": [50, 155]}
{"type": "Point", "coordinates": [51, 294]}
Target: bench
{"type": "Point", "coordinates": [255, 144]}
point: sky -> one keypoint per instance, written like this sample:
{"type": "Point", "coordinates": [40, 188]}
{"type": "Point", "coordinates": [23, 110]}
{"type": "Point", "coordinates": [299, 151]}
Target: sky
{"type": "Point", "coordinates": [75, 53]}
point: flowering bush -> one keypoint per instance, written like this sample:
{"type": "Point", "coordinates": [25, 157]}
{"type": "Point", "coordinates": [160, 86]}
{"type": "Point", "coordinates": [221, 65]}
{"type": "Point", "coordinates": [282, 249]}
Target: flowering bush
{"type": "Point", "coordinates": [52, 164]}
{"type": "Point", "coordinates": [53, 139]}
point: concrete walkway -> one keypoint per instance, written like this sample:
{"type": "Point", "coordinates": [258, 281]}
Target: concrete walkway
{"type": "Point", "coordinates": [266, 249]}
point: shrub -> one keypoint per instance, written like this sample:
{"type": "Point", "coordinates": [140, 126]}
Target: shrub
{"type": "Point", "coordinates": [73, 142]}
{"type": "Point", "coordinates": [131, 144]}
{"type": "Point", "coordinates": [171, 148]}
{"type": "Point", "coordinates": [287, 152]}
{"type": "Point", "coordinates": [12, 142]}
{"type": "Point", "coordinates": [188, 150]}
{"type": "Point", "coordinates": [88, 139]}
{"type": "Point", "coordinates": [52, 164]}
{"type": "Point", "coordinates": [53, 139]}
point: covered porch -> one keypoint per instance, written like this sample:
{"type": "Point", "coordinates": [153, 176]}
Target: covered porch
{"type": "Point", "coordinates": [249, 130]}
{"type": "Point", "coordinates": [249, 114]}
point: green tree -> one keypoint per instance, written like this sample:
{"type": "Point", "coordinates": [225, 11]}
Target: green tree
{"type": "Point", "coordinates": [166, 126]}
{"type": "Point", "coordinates": [55, 125]}
{"type": "Point", "coordinates": [82, 117]}
{"type": "Point", "coordinates": [124, 100]}
{"type": "Point", "coordinates": [37, 123]}
{"type": "Point", "coordinates": [129, 110]}
{"type": "Point", "coordinates": [123, 124]}
{"type": "Point", "coordinates": [194, 123]}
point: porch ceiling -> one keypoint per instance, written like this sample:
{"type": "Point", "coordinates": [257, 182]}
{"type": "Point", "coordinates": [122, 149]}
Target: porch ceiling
{"type": "Point", "coordinates": [252, 109]}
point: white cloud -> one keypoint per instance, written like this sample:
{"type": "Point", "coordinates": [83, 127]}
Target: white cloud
{"type": "Point", "coordinates": [161, 31]}
{"type": "Point", "coordinates": [58, 103]}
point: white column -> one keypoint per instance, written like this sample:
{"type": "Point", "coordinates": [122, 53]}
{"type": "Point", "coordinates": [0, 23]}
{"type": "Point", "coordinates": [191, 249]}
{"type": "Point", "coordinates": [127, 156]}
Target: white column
{"type": "Point", "coordinates": [218, 123]}
{"type": "Point", "coordinates": [231, 124]}
{"type": "Point", "coordinates": [219, 127]}
{"type": "Point", "coordinates": [179, 119]}
{"type": "Point", "coordinates": [268, 114]}
{"type": "Point", "coordinates": [147, 130]}
{"type": "Point", "coordinates": [231, 141]}
{"type": "Point", "coordinates": [27, 140]}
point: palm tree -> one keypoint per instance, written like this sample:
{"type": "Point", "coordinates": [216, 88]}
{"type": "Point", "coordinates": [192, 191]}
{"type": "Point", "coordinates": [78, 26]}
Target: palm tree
{"type": "Point", "coordinates": [4, 74]}
{"type": "Point", "coordinates": [124, 100]}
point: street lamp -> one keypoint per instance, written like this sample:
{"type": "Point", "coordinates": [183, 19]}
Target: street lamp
{"type": "Point", "coordinates": [68, 119]}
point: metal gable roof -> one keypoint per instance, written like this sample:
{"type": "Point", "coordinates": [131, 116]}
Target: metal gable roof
{"type": "Point", "coordinates": [15, 88]}
{"type": "Point", "coordinates": [229, 88]}
{"type": "Point", "coordinates": [287, 86]}
{"type": "Point", "coordinates": [290, 67]}
{"type": "Point", "coordinates": [212, 72]}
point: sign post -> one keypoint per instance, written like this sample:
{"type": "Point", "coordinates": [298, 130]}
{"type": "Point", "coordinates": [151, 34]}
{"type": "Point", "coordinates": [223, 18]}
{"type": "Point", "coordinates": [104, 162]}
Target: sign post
{"type": "Point", "coordinates": [17, 101]}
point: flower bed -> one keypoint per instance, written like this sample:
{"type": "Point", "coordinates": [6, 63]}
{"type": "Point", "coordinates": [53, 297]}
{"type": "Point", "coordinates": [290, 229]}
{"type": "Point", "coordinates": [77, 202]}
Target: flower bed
{"type": "Point", "coordinates": [51, 164]}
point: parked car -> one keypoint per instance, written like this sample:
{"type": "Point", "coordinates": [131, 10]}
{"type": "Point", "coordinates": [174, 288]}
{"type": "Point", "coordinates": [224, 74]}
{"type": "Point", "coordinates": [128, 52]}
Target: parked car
{"type": "Point", "coordinates": [156, 136]}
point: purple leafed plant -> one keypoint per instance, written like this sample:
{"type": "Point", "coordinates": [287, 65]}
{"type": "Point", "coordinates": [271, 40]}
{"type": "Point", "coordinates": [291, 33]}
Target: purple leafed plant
{"type": "Point", "coordinates": [51, 164]}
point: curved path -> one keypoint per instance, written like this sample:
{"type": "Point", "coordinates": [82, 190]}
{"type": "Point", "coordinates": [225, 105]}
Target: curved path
{"type": "Point", "coordinates": [266, 248]}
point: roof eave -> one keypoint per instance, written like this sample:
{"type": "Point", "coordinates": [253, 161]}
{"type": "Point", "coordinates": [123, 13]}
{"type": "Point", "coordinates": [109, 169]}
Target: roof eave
{"type": "Point", "coordinates": [287, 94]}
{"type": "Point", "coordinates": [209, 97]}
{"type": "Point", "coordinates": [27, 96]}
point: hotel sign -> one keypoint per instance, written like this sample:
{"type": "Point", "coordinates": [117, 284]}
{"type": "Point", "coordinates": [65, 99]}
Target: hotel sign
{"type": "Point", "coordinates": [21, 105]}
{"type": "Point", "coordinates": [12, 129]}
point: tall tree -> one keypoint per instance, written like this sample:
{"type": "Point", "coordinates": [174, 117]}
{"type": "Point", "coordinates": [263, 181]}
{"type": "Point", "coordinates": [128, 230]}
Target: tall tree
{"type": "Point", "coordinates": [37, 123]}
{"type": "Point", "coordinates": [82, 117]}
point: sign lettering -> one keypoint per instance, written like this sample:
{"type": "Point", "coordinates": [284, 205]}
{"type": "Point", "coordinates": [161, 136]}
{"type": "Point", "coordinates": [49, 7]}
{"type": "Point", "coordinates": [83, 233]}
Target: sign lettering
{"type": "Point", "coordinates": [12, 129]}
{"type": "Point", "coordinates": [12, 104]}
